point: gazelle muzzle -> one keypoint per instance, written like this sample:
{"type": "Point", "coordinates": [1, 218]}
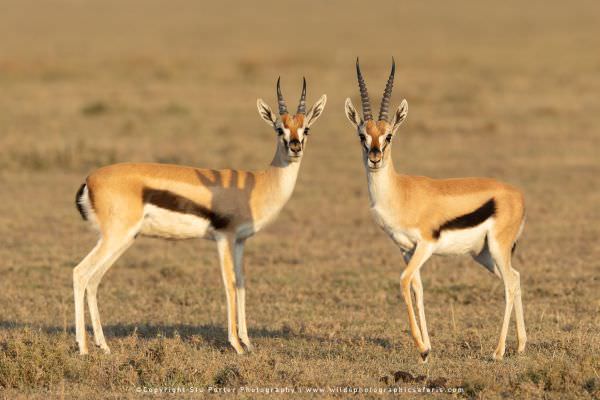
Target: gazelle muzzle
{"type": "Point", "coordinates": [375, 156]}
{"type": "Point", "coordinates": [295, 146]}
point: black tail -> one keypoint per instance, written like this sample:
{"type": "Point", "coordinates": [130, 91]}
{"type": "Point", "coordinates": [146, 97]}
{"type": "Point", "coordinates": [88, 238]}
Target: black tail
{"type": "Point", "coordinates": [512, 251]}
{"type": "Point", "coordinates": [78, 204]}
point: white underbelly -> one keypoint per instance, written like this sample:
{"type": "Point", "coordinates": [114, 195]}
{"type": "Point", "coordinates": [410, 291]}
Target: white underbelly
{"type": "Point", "coordinates": [463, 241]}
{"type": "Point", "coordinates": [159, 222]}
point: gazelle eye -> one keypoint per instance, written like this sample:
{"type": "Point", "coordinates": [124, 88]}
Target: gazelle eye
{"type": "Point", "coordinates": [388, 138]}
{"type": "Point", "coordinates": [362, 137]}
{"type": "Point", "coordinates": [306, 131]}
{"type": "Point", "coordinates": [280, 131]}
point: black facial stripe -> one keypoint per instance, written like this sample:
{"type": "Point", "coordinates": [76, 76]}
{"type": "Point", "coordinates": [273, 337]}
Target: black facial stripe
{"type": "Point", "coordinates": [469, 220]}
{"type": "Point", "coordinates": [285, 142]}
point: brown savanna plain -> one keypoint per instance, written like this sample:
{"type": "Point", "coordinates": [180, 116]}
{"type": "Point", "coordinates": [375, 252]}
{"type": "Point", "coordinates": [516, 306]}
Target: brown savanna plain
{"type": "Point", "coordinates": [508, 90]}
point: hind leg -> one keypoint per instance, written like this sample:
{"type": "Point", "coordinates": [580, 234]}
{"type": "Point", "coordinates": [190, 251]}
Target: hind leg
{"type": "Point", "coordinates": [92, 290]}
{"type": "Point", "coordinates": [83, 272]}
{"type": "Point", "coordinates": [79, 283]}
{"type": "Point", "coordinates": [485, 258]}
{"type": "Point", "coordinates": [512, 292]}
{"type": "Point", "coordinates": [521, 333]}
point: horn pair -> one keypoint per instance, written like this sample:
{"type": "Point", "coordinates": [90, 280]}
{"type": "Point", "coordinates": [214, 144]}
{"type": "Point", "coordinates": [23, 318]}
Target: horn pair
{"type": "Point", "coordinates": [364, 95]}
{"type": "Point", "coordinates": [281, 101]}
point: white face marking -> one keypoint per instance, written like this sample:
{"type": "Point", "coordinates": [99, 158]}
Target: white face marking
{"type": "Point", "coordinates": [300, 134]}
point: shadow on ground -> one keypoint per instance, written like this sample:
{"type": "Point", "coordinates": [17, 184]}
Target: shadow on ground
{"type": "Point", "coordinates": [211, 334]}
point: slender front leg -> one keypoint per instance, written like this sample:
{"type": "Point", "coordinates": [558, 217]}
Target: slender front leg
{"type": "Point", "coordinates": [417, 286]}
{"type": "Point", "coordinates": [225, 246]}
{"type": "Point", "coordinates": [240, 289]}
{"type": "Point", "coordinates": [421, 254]}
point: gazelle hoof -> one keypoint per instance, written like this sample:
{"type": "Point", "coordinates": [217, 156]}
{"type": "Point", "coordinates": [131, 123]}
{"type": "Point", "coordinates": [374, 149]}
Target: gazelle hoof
{"type": "Point", "coordinates": [238, 348]}
{"type": "Point", "coordinates": [249, 347]}
{"type": "Point", "coordinates": [498, 356]}
{"type": "Point", "coordinates": [83, 349]}
{"type": "Point", "coordinates": [424, 356]}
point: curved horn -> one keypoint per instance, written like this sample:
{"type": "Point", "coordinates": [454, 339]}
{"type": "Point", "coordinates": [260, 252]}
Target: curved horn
{"type": "Point", "coordinates": [302, 104]}
{"type": "Point", "coordinates": [364, 95]}
{"type": "Point", "coordinates": [280, 100]}
{"type": "Point", "coordinates": [387, 94]}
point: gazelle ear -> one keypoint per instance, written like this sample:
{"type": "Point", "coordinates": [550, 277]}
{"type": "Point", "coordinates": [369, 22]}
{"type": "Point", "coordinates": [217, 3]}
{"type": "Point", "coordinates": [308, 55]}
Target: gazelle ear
{"type": "Point", "coordinates": [351, 114]}
{"type": "Point", "coordinates": [399, 116]}
{"type": "Point", "coordinates": [265, 112]}
{"type": "Point", "coordinates": [315, 111]}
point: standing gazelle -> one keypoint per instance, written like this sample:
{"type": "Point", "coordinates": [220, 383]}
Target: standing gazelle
{"type": "Point", "coordinates": [177, 202]}
{"type": "Point", "coordinates": [425, 216]}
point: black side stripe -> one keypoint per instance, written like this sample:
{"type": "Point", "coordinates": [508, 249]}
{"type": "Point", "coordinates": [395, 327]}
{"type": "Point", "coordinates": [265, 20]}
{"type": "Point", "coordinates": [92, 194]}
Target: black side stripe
{"type": "Point", "coordinates": [468, 220]}
{"type": "Point", "coordinates": [174, 202]}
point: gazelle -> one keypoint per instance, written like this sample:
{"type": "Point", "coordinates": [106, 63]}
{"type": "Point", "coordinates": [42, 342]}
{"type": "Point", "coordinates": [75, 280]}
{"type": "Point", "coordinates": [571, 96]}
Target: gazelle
{"type": "Point", "coordinates": [177, 202]}
{"type": "Point", "coordinates": [424, 217]}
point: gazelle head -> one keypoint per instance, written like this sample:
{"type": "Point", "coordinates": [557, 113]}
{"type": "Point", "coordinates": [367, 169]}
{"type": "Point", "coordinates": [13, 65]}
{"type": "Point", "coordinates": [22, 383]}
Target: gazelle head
{"type": "Point", "coordinates": [291, 130]}
{"type": "Point", "coordinates": [376, 137]}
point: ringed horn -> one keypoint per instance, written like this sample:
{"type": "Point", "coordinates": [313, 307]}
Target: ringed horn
{"type": "Point", "coordinates": [364, 95]}
{"type": "Point", "coordinates": [387, 94]}
{"type": "Point", "coordinates": [280, 100]}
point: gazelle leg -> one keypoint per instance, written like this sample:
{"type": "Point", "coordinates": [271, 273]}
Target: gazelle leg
{"type": "Point", "coordinates": [83, 272]}
{"type": "Point", "coordinates": [421, 254]}
{"type": "Point", "coordinates": [92, 290]}
{"type": "Point", "coordinates": [79, 284]}
{"type": "Point", "coordinates": [521, 333]}
{"type": "Point", "coordinates": [225, 246]}
{"type": "Point", "coordinates": [417, 286]}
{"type": "Point", "coordinates": [511, 279]}
{"type": "Point", "coordinates": [240, 289]}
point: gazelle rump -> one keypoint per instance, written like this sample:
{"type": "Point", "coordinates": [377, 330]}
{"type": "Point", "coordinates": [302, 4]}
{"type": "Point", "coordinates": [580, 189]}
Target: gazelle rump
{"type": "Point", "coordinates": [178, 202]}
{"type": "Point", "coordinates": [424, 216]}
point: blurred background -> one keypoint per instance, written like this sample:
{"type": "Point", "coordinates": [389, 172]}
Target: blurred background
{"type": "Point", "coordinates": [507, 90]}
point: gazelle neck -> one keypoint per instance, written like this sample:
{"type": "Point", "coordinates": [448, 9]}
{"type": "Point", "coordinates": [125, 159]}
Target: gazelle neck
{"type": "Point", "coordinates": [380, 181]}
{"type": "Point", "coordinates": [282, 172]}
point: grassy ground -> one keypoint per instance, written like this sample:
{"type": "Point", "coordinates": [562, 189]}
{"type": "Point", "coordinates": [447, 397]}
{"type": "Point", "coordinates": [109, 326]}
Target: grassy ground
{"type": "Point", "coordinates": [508, 90]}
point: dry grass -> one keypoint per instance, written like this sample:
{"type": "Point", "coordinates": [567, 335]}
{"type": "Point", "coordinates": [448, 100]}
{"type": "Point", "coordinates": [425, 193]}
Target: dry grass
{"type": "Point", "coordinates": [508, 90]}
